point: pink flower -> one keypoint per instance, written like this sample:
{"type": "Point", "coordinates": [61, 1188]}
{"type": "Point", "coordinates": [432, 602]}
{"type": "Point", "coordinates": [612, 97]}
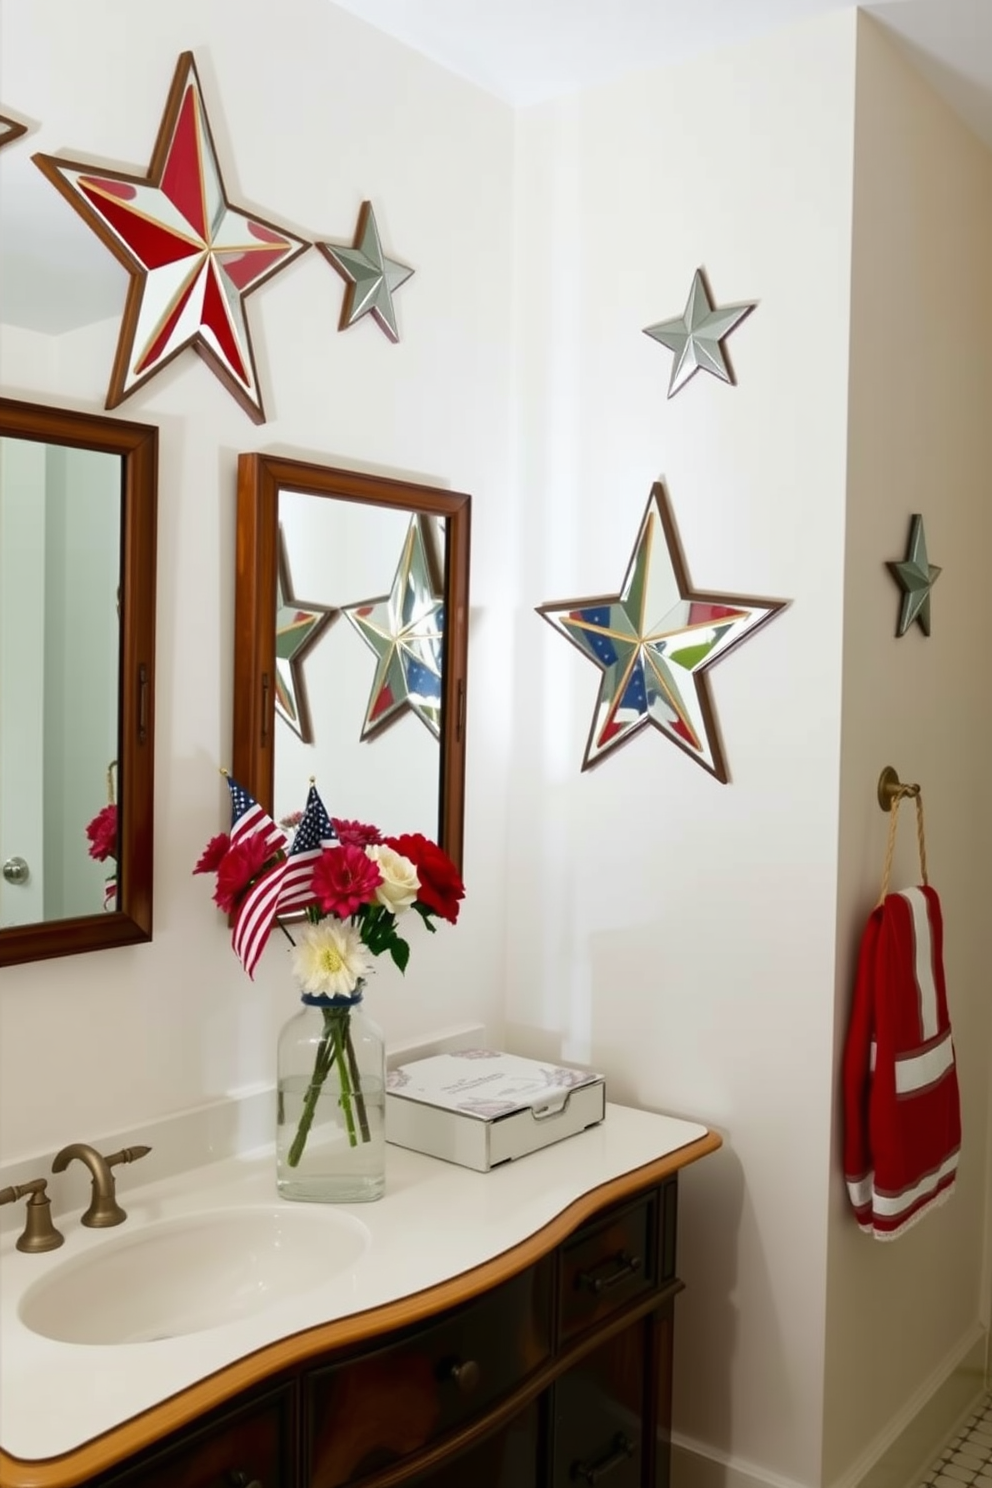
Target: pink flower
{"type": "Point", "coordinates": [102, 832]}
{"type": "Point", "coordinates": [213, 853]}
{"type": "Point", "coordinates": [344, 879]}
{"type": "Point", "coordinates": [355, 834]}
{"type": "Point", "coordinates": [238, 869]}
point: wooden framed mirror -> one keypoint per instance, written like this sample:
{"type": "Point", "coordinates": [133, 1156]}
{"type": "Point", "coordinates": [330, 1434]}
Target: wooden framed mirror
{"type": "Point", "coordinates": [78, 497]}
{"type": "Point", "coordinates": [351, 643]}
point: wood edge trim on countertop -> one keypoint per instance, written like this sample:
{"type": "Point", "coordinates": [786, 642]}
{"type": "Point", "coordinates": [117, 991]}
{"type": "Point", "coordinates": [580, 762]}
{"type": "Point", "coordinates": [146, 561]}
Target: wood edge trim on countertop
{"type": "Point", "coordinates": [113, 1447]}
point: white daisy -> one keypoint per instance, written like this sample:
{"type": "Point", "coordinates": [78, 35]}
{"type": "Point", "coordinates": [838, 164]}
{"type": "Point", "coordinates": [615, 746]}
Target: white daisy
{"type": "Point", "coordinates": [330, 959]}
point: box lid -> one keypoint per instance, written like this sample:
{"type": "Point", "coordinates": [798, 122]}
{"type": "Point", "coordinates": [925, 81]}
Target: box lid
{"type": "Point", "coordinates": [486, 1084]}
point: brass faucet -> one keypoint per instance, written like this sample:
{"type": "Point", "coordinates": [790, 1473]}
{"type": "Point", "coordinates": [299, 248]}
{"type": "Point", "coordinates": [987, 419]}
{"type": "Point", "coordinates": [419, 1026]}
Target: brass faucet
{"type": "Point", "coordinates": [39, 1233]}
{"type": "Point", "coordinates": [104, 1209]}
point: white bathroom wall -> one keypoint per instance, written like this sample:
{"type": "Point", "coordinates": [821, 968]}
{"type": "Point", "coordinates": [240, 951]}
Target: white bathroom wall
{"type": "Point", "coordinates": [312, 112]}
{"type": "Point", "coordinates": [674, 931]}
{"type": "Point", "coordinates": [900, 1316]}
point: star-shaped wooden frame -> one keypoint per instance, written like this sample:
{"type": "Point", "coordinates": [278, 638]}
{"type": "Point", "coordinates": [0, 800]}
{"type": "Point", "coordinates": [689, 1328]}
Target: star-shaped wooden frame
{"type": "Point", "coordinates": [10, 129]}
{"type": "Point", "coordinates": [654, 643]}
{"type": "Point", "coordinates": [192, 257]}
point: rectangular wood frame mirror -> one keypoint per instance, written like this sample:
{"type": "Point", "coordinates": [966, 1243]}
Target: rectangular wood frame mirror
{"type": "Point", "coordinates": [265, 557]}
{"type": "Point", "coordinates": [136, 447]}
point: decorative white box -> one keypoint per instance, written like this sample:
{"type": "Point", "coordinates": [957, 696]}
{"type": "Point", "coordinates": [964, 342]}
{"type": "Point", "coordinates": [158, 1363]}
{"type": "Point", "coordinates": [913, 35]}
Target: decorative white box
{"type": "Point", "coordinates": [479, 1108]}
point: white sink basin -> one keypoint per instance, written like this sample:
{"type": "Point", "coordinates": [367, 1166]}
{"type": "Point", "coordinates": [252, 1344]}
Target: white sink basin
{"type": "Point", "coordinates": [184, 1276]}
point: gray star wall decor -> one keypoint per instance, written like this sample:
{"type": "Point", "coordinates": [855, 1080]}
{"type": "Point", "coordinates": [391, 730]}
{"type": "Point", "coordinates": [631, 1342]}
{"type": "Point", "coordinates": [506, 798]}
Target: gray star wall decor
{"type": "Point", "coordinates": [697, 335]}
{"type": "Point", "coordinates": [916, 576]}
{"type": "Point", "coordinates": [372, 278]}
{"type": "Point", "coordinates": [654, 643]}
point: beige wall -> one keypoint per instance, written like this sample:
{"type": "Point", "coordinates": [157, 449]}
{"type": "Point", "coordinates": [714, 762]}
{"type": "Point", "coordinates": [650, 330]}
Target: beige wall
{"type": "Point", "coordinates": [920, 441]}
{"type": "Point", "coordinates": [676, 932]}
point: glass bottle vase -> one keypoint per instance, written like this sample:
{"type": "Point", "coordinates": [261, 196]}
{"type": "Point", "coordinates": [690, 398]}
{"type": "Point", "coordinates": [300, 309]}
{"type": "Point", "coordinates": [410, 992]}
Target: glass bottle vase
{"type": "Point", "coordinates": [331, 1106]}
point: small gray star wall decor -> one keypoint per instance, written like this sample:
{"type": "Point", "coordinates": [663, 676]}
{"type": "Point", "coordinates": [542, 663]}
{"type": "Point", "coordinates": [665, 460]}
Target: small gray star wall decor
{"type": "Point", "coordinates": [372, 278]}
{"type": "Point", "coordinates": [916, 576]}
{"type": "Point", "coordinates": [697, 335]}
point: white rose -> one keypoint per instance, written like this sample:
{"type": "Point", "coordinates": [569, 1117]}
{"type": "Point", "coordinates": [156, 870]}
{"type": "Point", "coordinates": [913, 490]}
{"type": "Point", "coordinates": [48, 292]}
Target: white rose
{"type": "Point", "coordinates": [400, 884]}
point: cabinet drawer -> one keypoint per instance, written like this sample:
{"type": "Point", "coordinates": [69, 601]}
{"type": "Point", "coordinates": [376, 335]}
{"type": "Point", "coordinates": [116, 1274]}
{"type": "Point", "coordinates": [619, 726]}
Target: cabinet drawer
{"type": "Point", "coordinates": [366, 1413]}
{"type": "Point", "coordinates": [609, 1264]}
{"type": "Point", "coordinates": [250, 1446]}
{"type": "Point", "coordinates": [599, 1414]}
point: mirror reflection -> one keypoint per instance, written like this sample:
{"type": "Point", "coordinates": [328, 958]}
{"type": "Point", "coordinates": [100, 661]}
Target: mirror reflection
{"type": "Point", "coordinates": [60, 539]}
{"type": "Point", "coordinates": [77, 633]}
{"type": "Point", "coordinates": [351, 639]}
{"type": "Point", "coordinates": [368, 686]}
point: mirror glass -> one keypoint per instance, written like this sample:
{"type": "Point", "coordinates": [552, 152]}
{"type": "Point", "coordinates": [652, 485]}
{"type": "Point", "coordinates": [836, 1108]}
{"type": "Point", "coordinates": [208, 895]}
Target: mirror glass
{"type": "Point", "coordinates": [77, 597]}
{"type": "Point", "coordinates": [351, 618]}
{"type": "Point", "coordinates": [60, 523]}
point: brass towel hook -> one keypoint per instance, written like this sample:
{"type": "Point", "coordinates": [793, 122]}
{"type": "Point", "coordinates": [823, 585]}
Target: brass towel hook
{"type": "Point", "coordinates": [891, 788]}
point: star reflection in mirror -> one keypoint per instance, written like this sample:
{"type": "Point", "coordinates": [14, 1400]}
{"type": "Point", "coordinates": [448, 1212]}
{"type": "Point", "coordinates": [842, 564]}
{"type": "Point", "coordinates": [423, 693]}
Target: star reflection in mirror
{"type": "Point", "coordinates": [299, 626]}
{"type": "Point", "coordinates": [405, 631]}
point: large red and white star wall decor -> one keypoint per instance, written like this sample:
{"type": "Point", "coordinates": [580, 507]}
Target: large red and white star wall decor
{"type": "Point", "coordinates": [654, 643]}
{"type": "Point", "coordinates": [192, 257]}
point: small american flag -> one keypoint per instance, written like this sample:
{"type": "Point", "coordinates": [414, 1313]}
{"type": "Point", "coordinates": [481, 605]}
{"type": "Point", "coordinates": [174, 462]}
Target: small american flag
{"type": "Point", "coordinates": [286, 885]}
{"type": "Point", "coordinates": [247, 818]}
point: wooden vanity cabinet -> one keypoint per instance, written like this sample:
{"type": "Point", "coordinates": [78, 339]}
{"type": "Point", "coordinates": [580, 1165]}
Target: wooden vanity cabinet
{"type": "Point", "coordinates": [558, 1376]}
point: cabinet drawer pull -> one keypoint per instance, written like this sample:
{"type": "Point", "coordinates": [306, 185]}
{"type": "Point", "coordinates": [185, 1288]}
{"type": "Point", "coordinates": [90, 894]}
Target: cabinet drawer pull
{"type": "Point", "coordinates": [621, 1450]}
{"type": "Point", "coordinates": [465, 1373]}
{"type": "Point", "coordinates": [625, 1266]}
{"type": "Point", "coordinates": [238, 1479]}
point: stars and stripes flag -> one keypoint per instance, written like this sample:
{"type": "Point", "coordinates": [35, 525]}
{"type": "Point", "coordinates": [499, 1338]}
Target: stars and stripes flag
{"type": "Point", "coordinates": [247, 818]}
{"type": "Point", "coordinates": [286, 885]}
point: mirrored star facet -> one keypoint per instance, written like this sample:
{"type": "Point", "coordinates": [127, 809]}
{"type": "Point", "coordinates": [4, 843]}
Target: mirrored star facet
{"type": "Point", "coordinates": [405, 629]}
{"type": "Point", "coordinates": [192, 257]}
{"type": "Point", "coordinates": [654, 643]}
{"type": "Point", "coordinates": [372, 279]}
{"type": "Point", "coordinates": [10, 130]}
{"type": "Point", "coordinates": [299, 627]}
{"type": "Point", "coordinates": [916, 576]}
{"type": "Point", "coordinates": [697, 335]}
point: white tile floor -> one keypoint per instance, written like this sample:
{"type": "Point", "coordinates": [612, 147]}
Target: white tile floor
{"type": "Point", "coordinates": [967, 1460]}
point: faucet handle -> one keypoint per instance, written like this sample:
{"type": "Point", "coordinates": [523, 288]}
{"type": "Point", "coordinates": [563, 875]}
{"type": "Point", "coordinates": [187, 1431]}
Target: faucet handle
{"type": "Point", "coordinates": [126, 1155]}
{"type": "Point", "coordinates": [39, 1233]}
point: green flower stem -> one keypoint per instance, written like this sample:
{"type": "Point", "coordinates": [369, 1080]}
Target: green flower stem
{"type": "Point", "coordinates": [326, 1054]}
{"type": "Point", "coordinates": [356, 1081]}
{"type": "Point", "coordinates": [341, 1033]}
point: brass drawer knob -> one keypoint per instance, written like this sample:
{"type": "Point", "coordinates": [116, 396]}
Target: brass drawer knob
{"type": "Point", "coordinates": [465, 1373]}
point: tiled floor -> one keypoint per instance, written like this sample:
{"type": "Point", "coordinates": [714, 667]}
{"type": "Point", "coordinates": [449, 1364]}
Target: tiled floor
{"type": "Point", "coordinates": [967, 1460]}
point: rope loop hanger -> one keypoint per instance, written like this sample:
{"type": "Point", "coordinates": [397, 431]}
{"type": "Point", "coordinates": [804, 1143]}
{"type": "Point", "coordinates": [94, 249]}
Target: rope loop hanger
{"type": "Point", "coordinates": [891, 793]}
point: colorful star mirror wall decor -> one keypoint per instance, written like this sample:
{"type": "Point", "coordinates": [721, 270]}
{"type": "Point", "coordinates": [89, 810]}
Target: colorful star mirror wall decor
{"type": "Point", "coordinates": [299, 626]}
{"type": "Point", "coordinates": [916, 576]}
{"type": "Point", "coordinates": [405, 631]}
{"type": "Point", "coordinates": [193, 258]}
{"type": "Point", "coordinates": [654, 643]}
{"type": "Point", "coordinates": [10, 130]}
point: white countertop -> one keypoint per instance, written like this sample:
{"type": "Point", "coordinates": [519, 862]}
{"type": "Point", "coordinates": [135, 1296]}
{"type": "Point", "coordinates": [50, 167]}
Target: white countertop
{"type": "Point", "coordinates": [435, 1221]}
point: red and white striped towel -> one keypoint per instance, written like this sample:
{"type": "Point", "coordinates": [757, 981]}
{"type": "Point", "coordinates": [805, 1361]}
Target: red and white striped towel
{"type": "Point", "coordinates": [901, 1103]}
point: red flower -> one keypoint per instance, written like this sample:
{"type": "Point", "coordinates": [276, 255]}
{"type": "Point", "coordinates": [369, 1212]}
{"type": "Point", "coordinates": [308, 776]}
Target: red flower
{"type": "Point", "coordinates": [354, 833]}
{"type": "Point", "coordinates": [213, 853]}
{"type": "Point", "coordinates": [344, 879]}
{"type": "Point", "coordinates": [238, 869]}
{"type": "Point", "coordinates": [102, 832]}
{"type": "Point", "coordinates": [441, 886]}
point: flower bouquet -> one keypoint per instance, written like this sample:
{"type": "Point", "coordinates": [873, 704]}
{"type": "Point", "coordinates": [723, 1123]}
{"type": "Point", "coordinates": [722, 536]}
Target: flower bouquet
{"type": "Point", "coordinates": [102, 832]}
{"type": "Point", "coordinates": [354, 887]}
